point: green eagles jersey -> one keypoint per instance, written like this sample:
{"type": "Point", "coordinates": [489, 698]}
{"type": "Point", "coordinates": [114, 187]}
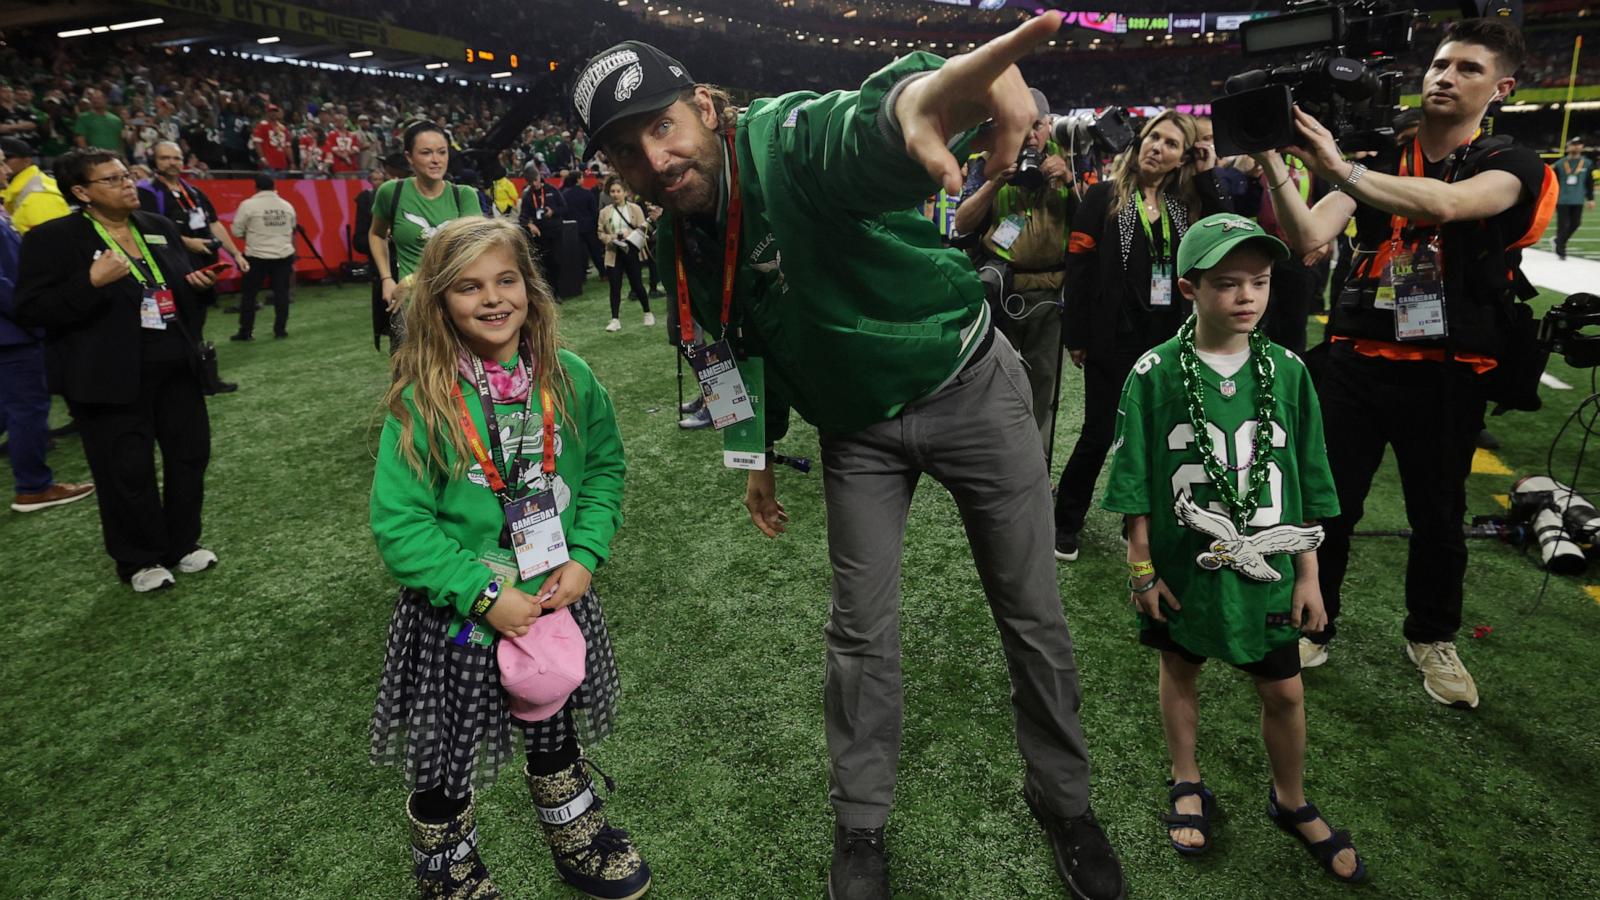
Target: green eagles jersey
{"type": "Point", "coordinates": [1236, 590]}
{"type": "Point", "coordinates": [417, 217]}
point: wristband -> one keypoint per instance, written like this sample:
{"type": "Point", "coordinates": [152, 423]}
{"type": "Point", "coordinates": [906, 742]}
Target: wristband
{"type": "Point", "coordinates": [485, 601]}
{"type": "Point", "coordinates": [1142, 588]}
{"type": "Point", "coordinates": [1286, 180]}
{"type": "Point", "coordinates": [388, 278]}
{"type": "Point", "coordinates": [1138, 569]}
{"type": "Point", "coordinates": [1356, 171]}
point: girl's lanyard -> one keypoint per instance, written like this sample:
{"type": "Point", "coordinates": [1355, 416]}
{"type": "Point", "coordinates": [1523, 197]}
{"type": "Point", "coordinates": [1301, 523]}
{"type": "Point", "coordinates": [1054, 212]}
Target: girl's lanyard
{"type": "Point", "coordinates": [531, 528]}
{"type": "Point", "coordinates": [715, 366]}
{"type": "Point", "coordinates": [1160, 262]}
{"type": "Point", "coordinates": [506, 490]}
{"type": "Point", "coordinates": [157, 306]}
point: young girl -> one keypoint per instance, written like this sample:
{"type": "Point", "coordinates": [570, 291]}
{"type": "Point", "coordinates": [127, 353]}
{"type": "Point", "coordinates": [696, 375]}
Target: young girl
{"type": "Point", "coordinates": [486, 418]}
{"type": "Point", "coordinates": [1219, 466]}
{"type": "Point", "coordinates": [617, 222]}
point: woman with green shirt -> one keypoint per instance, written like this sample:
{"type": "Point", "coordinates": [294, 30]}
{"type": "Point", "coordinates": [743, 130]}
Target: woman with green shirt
{"type": "Point", "coordinates": [489, 425]}
{"type": "Point", "coordinates": [408, 211]}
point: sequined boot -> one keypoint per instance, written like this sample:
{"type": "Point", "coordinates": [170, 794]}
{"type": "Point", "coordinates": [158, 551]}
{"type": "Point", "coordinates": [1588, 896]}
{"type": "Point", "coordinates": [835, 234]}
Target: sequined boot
{"type": "Point", "coordinates": [590, 855]}
{"type": "Point", "coordinates": [446, 853]}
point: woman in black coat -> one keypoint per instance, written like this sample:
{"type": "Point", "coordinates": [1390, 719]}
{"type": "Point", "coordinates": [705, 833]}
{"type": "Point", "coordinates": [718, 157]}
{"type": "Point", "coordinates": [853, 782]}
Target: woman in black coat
{"type": "Point", "coordinates": [1121, 290]}
{"type": "Point", "coordinates": [113, 289]}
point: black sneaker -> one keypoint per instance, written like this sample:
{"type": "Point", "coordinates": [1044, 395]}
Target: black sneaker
{"type": "Point", "coordinates": [241, 337]}
{"type": "Point", "coordinates": [692, 406]}
{"type": "Point", "coordinates": [1084, 858]}
{"type": "Point", "coordinates": [859, 871]}
{"type": "Point", "coordinates": [1066, 545]}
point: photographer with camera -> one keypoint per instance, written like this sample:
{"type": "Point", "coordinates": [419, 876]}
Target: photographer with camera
{"type": "Point", "coordinates": [1425, 331]}
{"type": "Point", "coordinates": [1121, 295]}
{"type": "Point", "coordinates": [1025, 213]}
{"type": "Point", "coordinates": [204, 236]}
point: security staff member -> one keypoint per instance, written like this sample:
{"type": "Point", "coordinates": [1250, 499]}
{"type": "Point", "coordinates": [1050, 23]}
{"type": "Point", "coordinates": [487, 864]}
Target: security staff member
{"type": "Point", "coordinates": [1575, 177]}
{"type": "Point", "coordinates": [1026, 218]}
{"type": "Point", "coordinates": [1421, 326]}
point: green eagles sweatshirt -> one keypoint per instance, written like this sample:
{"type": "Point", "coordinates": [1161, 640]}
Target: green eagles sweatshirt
{"type": "Point", "coordinates": [433, 537]}
{"type": "Point", "coordinates": [841, 284]}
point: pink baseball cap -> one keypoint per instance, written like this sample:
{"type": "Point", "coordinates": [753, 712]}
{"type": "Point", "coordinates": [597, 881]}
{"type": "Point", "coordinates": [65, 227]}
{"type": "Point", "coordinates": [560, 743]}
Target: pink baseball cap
{"type": "Point", "coordinates": [541, 669]}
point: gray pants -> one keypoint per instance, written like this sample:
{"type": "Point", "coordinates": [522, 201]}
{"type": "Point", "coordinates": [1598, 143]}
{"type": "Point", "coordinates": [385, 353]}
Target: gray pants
{"type": "Point", "coordinates": [977, 438]}
{"type": "Point", "coordinates": [1032, 322]}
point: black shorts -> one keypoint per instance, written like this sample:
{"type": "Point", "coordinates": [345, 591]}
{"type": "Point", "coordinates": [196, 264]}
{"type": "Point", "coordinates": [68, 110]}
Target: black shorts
{"type": "Point", "coordinates": [1278, 665]}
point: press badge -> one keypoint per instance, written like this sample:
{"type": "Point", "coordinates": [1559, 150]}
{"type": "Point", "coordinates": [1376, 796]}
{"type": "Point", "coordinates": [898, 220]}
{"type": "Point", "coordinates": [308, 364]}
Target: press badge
{"type": "Point", "coordinates": [197, 220]}
{"type": "Point", "coordinates": [156, 309]}
{"type": "Point", "coordinates": [1160, 287]}
{"type": "Point", "coordinates": [1398, 267]}
{"type": "Point", "coordinates": [721, 384]}
{"type": "Point", "coordinates": [1008, 231]}
{"type": "Point", "coordinates": [1572, 179]}
{"type": "Point", "coordinates": [1419, 298]}
{"type": "Point", "coordinates": [534, 523]}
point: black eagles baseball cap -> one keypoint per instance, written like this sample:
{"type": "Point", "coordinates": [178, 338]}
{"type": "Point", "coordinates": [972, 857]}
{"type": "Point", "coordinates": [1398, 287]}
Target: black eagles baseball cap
{"type": "Point", "coordinates": [628, 79]}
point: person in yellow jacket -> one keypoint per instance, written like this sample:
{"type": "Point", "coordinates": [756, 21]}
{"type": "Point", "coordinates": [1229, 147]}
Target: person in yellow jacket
{"type": "Point", "coordinates": [32, 198]}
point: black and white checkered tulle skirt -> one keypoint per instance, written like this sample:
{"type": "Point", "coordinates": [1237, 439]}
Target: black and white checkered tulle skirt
{"type": "Point", "coordinates": [442, 714]}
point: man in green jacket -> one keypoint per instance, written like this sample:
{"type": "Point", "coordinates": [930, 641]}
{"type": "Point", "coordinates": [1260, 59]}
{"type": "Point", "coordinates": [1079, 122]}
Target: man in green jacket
{"type": "Point", "coordinates": [864, 324]}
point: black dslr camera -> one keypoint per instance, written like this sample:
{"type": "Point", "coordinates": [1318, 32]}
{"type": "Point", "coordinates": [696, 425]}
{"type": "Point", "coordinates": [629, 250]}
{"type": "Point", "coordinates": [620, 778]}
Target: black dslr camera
{"type": "Point", "coordinates": [1028, 177]}
{"type": "Point", "coordinates": [1343, 80]}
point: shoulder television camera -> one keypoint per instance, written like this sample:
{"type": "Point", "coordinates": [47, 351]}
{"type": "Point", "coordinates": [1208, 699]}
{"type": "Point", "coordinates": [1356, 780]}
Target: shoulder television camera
{"type": "Point", "coordinates": [1342, 80]}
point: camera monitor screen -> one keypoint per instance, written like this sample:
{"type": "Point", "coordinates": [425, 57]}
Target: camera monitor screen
{"type": "Point", "coordinates": [1312, 28]}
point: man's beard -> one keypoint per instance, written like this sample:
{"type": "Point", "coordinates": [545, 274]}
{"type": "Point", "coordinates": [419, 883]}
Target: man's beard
{"type": "Point", "coordinates": [701, 198]}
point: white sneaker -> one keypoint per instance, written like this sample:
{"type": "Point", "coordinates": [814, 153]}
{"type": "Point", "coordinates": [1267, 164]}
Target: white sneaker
{"type": "Point", "coordinates": [152, 578]}
{"type": "Point", "coordinates": [649, 319]}
{"type": "Point", "coordinates": [1443, 676]}
{"type": "Point", "coordinates": [1312, 654]}
{"type": "Point", "coordinates": [197, 560]}
{"type": "Point", "coordinates": [616, 325]}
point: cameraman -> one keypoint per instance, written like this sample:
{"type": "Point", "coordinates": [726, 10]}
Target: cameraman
{"type": "Point", "coordinates": [1026, 215]}
{"type": "Point", "coordinates": [1423, 324]}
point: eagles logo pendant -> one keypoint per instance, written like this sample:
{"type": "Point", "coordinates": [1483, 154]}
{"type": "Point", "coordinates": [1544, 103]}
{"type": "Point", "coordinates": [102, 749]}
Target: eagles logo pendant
{"type": "Point", "coordinates": [1229, 388]}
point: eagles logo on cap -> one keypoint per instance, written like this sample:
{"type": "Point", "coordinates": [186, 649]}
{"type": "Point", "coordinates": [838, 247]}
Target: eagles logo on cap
{"type": "Point", "coordinates": [625, 80]}
{"type": "Point", "coordinates": [1210, 239]}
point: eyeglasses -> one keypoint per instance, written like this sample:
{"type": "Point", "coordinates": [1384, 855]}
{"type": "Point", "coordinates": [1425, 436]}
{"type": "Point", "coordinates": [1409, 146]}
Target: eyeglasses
{"type": "Point", "coordinates": [113, 180]}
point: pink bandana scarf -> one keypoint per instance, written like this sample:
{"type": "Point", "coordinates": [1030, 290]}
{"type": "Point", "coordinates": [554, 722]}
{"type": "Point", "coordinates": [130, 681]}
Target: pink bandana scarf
{"type": "Point", "coordinates": [504, 387]}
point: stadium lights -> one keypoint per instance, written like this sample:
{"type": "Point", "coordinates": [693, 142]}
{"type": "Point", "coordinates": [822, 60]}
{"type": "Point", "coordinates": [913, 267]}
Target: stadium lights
{"type": "Point", "coordinates": [699, 19]}
{"type": "Point", "coordinates": [438, 65]}
{"type": "Point", "coordinates": [361, 54]}
{"type": "Point", "coordinates": [141, 23]}
{"type": "Point", "coordinates": [622, 2]}
{"type": "Point", "coordinates": [663, 11]}
{"type": "Point", "coordinates": [501, 75]}
{"type": "Point", "coordinates": [849, 14]}
{"type": "Point", "coordinates": [268, 40]}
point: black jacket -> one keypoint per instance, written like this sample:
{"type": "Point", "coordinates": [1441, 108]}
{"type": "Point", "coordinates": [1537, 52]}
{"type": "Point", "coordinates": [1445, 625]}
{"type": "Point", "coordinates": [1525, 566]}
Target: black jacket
{"type": "Point", "coordinates": [93, 345]}
{"type": "Point", "coordinates": [1107, 303]}
{"type": "Point", "coordinates": [582, 207]}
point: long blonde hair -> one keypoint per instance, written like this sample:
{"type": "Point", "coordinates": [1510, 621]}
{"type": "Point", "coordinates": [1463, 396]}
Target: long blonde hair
{"type": "Point", "coordinates": [426, 360]}
{"type": "Point", "coordinates": [1178, 182]}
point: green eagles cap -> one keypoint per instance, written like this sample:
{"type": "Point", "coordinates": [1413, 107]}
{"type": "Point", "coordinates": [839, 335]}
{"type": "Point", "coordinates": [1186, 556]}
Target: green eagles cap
{"type": "Point", "coordinates": [1210, 239]}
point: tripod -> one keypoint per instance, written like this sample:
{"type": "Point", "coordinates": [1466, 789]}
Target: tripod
{"type": "Point", "coordinates": [327, 272]}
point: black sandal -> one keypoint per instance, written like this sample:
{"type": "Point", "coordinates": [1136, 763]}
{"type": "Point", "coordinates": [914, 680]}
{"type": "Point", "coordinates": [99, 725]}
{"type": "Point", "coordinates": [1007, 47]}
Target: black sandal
{"type": "Point", "coordinates": [1200, 822]}
{"type": "Point", "coordinates": [1323, 851]}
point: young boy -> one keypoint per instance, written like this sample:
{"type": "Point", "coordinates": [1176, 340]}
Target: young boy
{"type": "Point", "coordinates": [1220, 468]}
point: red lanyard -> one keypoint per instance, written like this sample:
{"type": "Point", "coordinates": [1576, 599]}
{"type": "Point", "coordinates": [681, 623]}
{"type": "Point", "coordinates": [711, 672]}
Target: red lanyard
{"type": "Point", "coordinates": [730, 257]}
{"type": "Point", "coordinates": [481, 453]}
{"type": "Point", "coordinates": [1398, 224]}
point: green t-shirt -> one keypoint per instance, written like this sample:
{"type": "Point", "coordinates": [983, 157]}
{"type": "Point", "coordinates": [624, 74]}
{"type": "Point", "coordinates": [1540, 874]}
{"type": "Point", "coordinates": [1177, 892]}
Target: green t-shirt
{"type": "Point", "coordinates": [103, 130]}
{"type": "Point", "coordinates": [1227, 613]}
{"type": "Point", "coordinates": [417, 217]}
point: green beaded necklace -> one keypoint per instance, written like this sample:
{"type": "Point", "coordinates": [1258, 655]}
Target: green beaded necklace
{"type": "Point", "coordinates": [1221, 473]}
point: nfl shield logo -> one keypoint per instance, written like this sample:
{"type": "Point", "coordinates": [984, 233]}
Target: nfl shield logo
{"type": "Point", "coordinates": [1228, 388]}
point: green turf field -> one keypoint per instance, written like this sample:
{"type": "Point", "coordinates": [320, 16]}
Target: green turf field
{"type": "Point", "coordinates": [211, 741]}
